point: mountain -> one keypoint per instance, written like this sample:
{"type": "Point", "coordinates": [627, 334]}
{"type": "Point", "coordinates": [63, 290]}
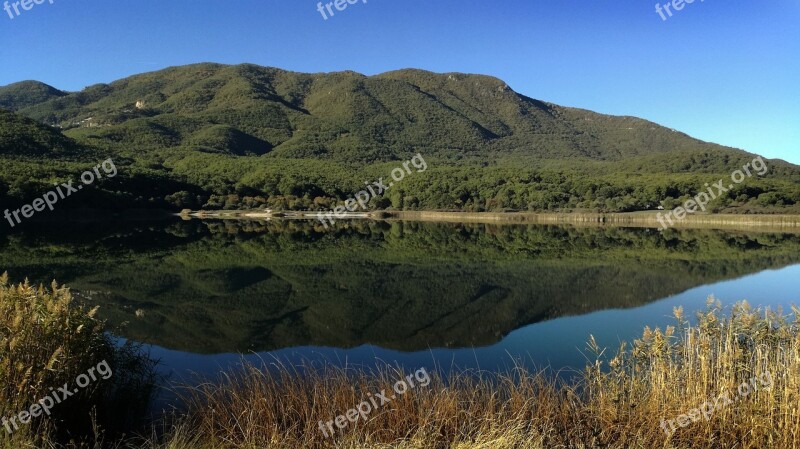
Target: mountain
{"type": "Point", "coordinates": [348, 116]}
{"type": "Point", "coordinates": [27, 93]}
{"type": "Point", "coordinates": [249, 136]}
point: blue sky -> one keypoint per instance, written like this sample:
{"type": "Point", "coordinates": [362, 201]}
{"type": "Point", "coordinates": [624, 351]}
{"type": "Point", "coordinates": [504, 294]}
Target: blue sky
{"type": "Point", "coordinates": [724, 71]}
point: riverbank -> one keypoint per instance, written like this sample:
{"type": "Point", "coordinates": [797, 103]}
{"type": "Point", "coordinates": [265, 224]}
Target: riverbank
{"type": "Point", "coordinates": [261, 214]}
{"type": "Point", "coordinates": [634, 219]}
{"type": "Point", "coordinates": [729, 381]}
{"type": "Point", "coordinates": [787, 223]}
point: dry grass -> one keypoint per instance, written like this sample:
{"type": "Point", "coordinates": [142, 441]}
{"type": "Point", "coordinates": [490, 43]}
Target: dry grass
{"type": "Point", "coordinates": [618, 403]}
{"type": "Point", "coordinates": [43, 339]}
{"type": "Point", "coordinates": [46, 341]}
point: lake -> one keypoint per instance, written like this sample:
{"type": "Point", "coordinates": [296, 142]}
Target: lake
{"type": "Point", "coordinates": [201, 293]}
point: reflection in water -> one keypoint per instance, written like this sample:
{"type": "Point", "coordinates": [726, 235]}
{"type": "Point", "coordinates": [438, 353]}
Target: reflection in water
{"type": "Point", "coordinates": [210, 287]}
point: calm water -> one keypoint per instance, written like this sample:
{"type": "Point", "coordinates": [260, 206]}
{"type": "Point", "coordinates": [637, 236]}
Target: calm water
{"type": "Point", "coordinates": [199, 294]}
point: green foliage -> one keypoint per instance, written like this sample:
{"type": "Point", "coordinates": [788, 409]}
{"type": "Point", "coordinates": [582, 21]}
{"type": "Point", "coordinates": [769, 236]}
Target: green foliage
{"type": "Point", "coordinates": [20, 136]}
{"type": "Point", "coordinates": [211, 135]}
{"type": "Point", "coordinates": [27, 93]}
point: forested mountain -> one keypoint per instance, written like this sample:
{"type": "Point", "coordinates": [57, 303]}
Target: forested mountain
{"type": "Point", "coordinates": [21, 136]}
{"type": "Point", "coordinates": [27, 93]}
{"type": "Point", "coordinates": [211, 135]}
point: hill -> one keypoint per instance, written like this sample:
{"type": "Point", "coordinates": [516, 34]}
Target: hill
{"type": "Point", "coordinates": [248, 136]}
{"type": "Point", "coordinates": [21, 136]}
{"type": "Point", "coordinates": [27, 93]}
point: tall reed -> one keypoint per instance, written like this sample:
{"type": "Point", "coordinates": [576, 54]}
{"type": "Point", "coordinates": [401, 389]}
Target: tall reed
{"type": "Point", "coordinates": [46, 342]}
{"type": "Point", "coordinates": [618, 402]}
{"type": "Point", "coordinates": [624, 400]}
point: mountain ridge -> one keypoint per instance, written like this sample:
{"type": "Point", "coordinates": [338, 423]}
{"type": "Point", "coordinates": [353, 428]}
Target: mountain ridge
{"type": "Point", "coordinates": [451, 92]}
{"type": "Point", "coordinates": [293, 140]}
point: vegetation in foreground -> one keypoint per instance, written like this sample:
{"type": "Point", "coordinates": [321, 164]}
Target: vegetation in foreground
{"type": "Point", "coordinates": [47, 343]}
{"type": "Point", "coordinates": [618, 402]}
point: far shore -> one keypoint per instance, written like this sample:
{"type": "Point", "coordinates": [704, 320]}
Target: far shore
{"type": "Point", "coordinates": [765, 222]}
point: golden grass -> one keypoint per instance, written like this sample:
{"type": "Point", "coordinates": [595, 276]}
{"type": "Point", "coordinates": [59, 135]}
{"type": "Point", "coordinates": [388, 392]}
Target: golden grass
{"type": "Point", "coordinates": [617, 403]}
{"type": "Point", "coordinates": [46, 341]}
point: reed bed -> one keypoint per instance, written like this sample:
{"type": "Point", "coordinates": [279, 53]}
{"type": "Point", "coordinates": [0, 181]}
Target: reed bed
{"type": "Point", "coordinates": [622, 399]}
{"type": "Point", "coordinates": [619, 401]}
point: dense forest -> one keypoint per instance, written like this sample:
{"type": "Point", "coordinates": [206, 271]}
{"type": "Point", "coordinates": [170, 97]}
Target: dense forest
{"type": "Point", "coordinates": [242, 137]}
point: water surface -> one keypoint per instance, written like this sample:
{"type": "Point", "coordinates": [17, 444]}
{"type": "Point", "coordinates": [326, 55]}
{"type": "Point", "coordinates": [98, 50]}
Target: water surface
{"type": "Point", "coordinates": [199, 294]}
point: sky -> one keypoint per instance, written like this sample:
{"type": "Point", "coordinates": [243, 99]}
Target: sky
{"type": "Point", "coordinates": [722, 71]}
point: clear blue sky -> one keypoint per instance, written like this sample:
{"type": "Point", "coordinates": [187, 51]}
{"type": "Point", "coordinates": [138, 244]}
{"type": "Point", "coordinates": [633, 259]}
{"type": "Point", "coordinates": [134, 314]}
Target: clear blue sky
{"type": "Point", "coordinates": [726, 71]}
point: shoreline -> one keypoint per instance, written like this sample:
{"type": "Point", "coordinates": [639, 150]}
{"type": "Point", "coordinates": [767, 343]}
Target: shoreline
{"type": "Point", "coordinates": [629, 219]}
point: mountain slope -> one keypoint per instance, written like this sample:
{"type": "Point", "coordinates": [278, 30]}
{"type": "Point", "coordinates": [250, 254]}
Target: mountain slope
{"type": "Point", "coordinates": [250, 136]}
{"type": "Point", "coordinates": [21, 136]}
{"type": "Point", "coordinates": [336, 115]}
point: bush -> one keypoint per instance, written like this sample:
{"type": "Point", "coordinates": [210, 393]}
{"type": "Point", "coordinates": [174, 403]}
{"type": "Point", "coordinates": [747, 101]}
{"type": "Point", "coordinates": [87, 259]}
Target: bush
{"type": "Point", "coordinates": [47, 341]}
